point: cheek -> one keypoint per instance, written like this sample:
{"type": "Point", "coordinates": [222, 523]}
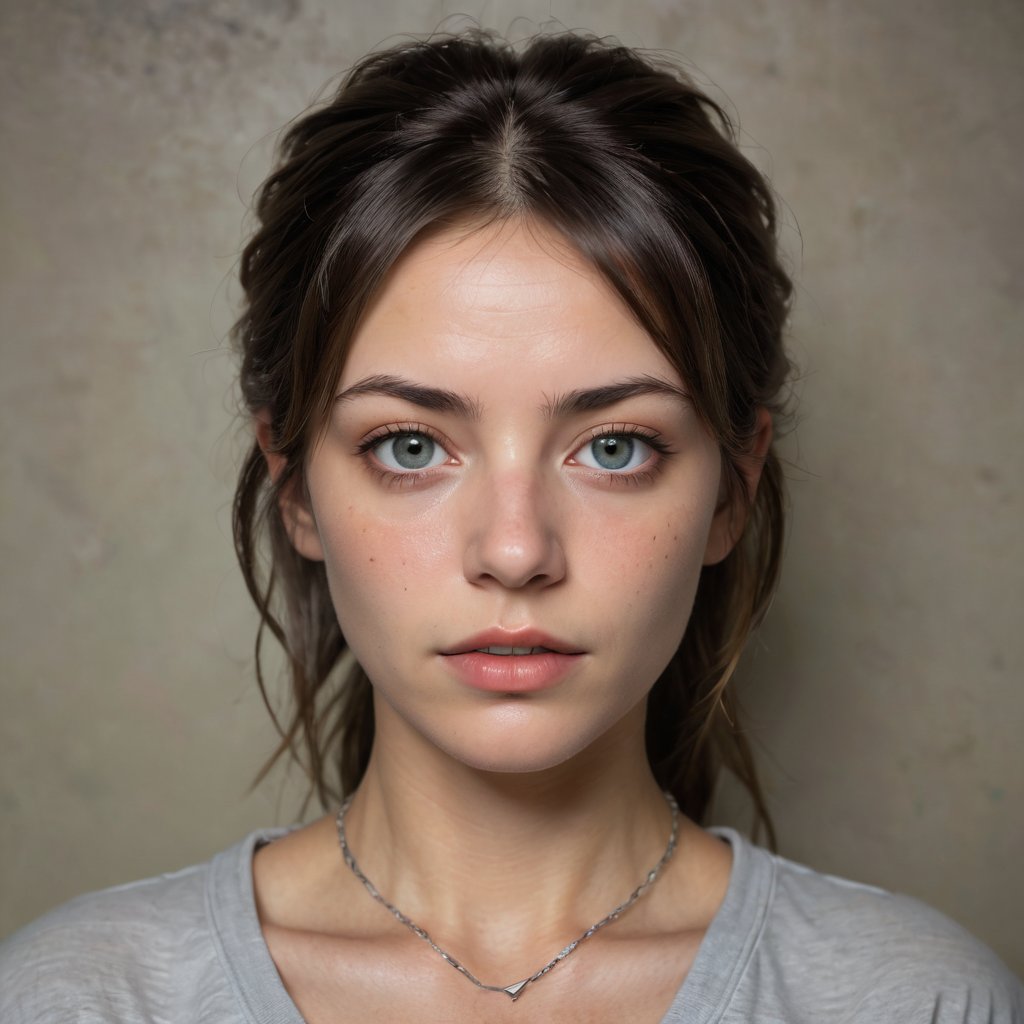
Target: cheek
{"type": "Point", "coordinates": [659, 553]}
{"type": "Point", "coordinates": [652, 576]}
{"type": "Point", "coordinates": [376, 564]}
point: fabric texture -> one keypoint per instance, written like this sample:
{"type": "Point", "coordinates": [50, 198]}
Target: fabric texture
{"type": "Point", "coordinates": [787, 945]}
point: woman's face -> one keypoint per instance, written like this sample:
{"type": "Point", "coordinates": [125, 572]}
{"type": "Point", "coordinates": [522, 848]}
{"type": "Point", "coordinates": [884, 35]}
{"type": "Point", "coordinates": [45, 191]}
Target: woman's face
{"type": "Point", "coordinates": [513, 500]}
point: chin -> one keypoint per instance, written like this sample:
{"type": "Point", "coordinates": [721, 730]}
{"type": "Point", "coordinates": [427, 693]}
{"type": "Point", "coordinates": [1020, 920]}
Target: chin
{"type": "Point", "coordinates": [519, 762]}
{"type": "Point", "coordinates": [510, 734]}
{"type": "Point", "coordinates": [516, 739]}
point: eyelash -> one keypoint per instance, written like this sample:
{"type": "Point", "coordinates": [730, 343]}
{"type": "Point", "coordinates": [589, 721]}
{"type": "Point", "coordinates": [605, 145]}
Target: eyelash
{"type": "Point", "coordinates": [365, 448]}
{"type": "Point", "coordinates": [631, 479]}
{"type": "Point", "coordinates": [638, 477]}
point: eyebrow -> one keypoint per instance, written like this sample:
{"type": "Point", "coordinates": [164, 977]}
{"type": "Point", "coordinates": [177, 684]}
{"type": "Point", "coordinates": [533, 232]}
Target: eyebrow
{"type": "Point", "coordinates": [589, 399]}
{"type": "Point", "coordinates": [437, 399]}
{"type": "Point", "coordinates": [568, 404]}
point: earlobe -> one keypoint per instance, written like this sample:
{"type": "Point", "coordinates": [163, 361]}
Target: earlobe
{"type": "Point", "coordinates": [731, 514]}
{"type": "Point", "coordinates": [296, 511]}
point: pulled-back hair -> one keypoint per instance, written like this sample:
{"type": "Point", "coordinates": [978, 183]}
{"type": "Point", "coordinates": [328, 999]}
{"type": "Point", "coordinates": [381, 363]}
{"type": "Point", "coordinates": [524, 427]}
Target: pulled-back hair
{"type": "Point", "coordinates": [638, 170]}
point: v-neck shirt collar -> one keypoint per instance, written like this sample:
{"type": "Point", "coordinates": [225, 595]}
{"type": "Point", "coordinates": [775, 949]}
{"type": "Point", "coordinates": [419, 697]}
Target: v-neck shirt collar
{"type": "Point", "coordinates": [717, 969]}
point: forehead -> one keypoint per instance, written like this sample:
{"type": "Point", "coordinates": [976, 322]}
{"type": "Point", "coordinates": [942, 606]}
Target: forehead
{"type": "Point", "coordinates": [513, 295]}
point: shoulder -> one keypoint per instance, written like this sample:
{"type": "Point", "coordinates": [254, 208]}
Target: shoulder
{"type": "Point", "coordinates": [831, 949]}
{"type": "Point", "coordinates": [135, 952]}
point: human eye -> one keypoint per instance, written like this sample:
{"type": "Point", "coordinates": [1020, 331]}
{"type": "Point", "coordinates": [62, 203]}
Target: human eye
{"type": "Point", "coordinates": [403, 450]}
{"type": "Point", "coordinates": [622, 450]}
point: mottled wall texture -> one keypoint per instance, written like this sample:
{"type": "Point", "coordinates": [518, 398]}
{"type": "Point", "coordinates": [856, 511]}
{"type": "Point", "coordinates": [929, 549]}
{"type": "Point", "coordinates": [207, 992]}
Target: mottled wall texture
{"type": "Point", "coordinates": [885, 690]}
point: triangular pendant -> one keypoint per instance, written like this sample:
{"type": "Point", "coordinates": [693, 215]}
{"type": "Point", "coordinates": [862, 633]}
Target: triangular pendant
{"type": "Point", "coordinates": [514, 990]}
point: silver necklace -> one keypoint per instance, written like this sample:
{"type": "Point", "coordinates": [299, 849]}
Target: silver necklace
{"type": "Point", "coordinates": [516, 990]}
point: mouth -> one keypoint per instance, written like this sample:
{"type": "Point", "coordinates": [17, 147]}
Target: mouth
{"type": "Point", "coordinates": [505, 661]}
{"type": "Point", "coordinates": [508, 643]}
{"type": "Point", "coordinates": [506, 652]}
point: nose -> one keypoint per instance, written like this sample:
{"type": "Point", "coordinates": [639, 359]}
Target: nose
{"type": "Point", "coordinates": [513, 538]}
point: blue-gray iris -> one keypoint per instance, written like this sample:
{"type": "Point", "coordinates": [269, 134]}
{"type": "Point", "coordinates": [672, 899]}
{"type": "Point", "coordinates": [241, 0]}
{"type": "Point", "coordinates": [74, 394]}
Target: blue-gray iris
{"type": "Point", "coordinates": [612, 452]}
{"type": "Point", "coordinates": [412, 451]}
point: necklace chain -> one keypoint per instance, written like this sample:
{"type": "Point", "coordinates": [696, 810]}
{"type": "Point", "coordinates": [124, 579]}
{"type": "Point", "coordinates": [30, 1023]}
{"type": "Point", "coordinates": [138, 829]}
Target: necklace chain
{"type": "Point", "coordinates": [516, 990]}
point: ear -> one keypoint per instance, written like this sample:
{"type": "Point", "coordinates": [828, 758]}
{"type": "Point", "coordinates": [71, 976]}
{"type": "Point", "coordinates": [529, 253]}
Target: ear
{"type": "Point", "coordinates": [731, 514]}
{"type": "Point", "coordinates": [296, 511]}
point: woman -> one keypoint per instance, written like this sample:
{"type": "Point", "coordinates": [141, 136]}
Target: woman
{"type": "Point", "coordinates": [512, 349]}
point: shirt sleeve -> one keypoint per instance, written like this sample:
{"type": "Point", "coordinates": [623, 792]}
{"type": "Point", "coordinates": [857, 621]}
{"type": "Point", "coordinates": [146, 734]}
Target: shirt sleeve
{"type": "Point", "coordinates": [838, 951]}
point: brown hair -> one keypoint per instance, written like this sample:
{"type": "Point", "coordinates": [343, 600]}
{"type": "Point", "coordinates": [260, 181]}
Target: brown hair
{"type": "Point", "coordinates": [635, 167]}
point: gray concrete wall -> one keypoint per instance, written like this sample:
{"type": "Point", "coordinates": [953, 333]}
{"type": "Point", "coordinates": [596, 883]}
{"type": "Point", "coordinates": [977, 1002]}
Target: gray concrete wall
{"type": "Point", "coordinates": [885, 691]}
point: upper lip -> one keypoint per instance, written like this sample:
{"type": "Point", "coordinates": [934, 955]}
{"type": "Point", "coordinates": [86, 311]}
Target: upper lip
{"type": "Point", "coordinates": [526, 637]}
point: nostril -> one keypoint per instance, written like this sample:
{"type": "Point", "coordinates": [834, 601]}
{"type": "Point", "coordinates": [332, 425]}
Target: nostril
{"type": "Point", "coordinates": [515, 563]}
{"type": "Point", "coordinates": [512, 534]}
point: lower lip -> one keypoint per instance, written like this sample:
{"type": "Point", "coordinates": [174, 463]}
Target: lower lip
{"type": "Point", "coordinates": [512, 673]}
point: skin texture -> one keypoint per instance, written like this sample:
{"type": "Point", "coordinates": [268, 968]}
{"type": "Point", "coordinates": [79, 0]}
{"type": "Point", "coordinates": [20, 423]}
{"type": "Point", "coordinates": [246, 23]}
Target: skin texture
{"type": "Point", "coordinates": [504, 823]}
{"type": "Point", "coordinates": [512, 529]}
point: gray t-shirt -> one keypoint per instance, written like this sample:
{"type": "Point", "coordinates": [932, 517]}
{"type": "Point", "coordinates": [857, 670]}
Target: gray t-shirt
{"type": "Point", "coordinates": [787, 945]}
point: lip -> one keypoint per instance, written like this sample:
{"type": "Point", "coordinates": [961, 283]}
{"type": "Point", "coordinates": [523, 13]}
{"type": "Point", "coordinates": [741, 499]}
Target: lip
{"type": "Point", "coordinates": [512, 673]}
{"type": "Point", "coordinates": [527, 637]}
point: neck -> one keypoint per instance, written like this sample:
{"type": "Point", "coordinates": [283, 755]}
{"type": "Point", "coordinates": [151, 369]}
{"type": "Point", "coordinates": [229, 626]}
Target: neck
{"type": "Point", "coordinates": [507, 861]}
